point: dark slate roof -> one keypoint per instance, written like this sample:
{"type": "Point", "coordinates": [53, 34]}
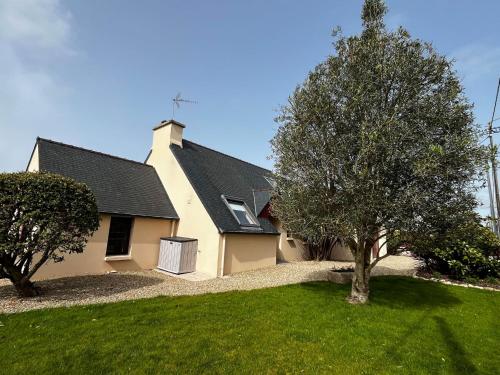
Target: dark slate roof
{"type": "Point", "coordinates": [213, 174]}
{"type": "Point", "coordinates": [261, 198]}
{"type": "Point", "coordinates": [121, 186]}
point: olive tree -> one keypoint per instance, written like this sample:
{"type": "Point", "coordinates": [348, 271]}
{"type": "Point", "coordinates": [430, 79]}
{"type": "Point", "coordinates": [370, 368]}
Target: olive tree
{"type": "Point", "coordinates": [378, 143]}
{"type": "Point", "coordinates": [42, 217]}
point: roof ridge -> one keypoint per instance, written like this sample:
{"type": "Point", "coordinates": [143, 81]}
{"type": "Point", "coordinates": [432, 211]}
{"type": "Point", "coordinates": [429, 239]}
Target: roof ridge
{"type": "Point", "coordinates": [230, 156]}
{"type": "Point", "coordinates": [93, 151]}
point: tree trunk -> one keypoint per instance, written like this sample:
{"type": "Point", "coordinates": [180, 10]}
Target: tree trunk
{"type": "Point", "coordinates": [360, 281]}
{"type": "Point", "coordinates": [322, 250]}
{"type": "Point", "coordinates": [25, 288]}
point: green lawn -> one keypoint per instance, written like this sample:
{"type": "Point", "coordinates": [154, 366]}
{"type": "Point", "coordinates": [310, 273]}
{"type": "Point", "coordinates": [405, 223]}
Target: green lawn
{"type": "Point", "coordinates": [410, 326]}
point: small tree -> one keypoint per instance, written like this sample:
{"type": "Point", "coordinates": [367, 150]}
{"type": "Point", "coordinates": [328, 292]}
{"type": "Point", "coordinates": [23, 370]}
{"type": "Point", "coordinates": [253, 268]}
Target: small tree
{"type": "Point", "coordinates": [42, 217]}
{"type": "Point", "coordinates": [378, 141]}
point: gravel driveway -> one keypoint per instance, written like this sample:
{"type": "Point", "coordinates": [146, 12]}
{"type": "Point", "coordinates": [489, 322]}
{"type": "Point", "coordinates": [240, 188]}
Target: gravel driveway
{"type": "Point", "coordinates": [83, 290]}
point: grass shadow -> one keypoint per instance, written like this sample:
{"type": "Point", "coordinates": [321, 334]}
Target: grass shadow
{"type": "Point", "coordinates": [409, 293]}
{"type": "Point", "coordinates": [397, 292]}
{"type": "Point", "coordinates": [459, 358]}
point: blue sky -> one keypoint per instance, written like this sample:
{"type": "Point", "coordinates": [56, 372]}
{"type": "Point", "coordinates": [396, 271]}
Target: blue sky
{"type": "Point", "coordinates": [100, 74]}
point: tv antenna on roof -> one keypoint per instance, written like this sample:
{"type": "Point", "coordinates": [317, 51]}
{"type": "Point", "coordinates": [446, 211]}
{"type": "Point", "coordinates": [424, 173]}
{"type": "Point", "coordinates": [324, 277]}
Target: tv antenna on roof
{"type": "Point", "coordinates": [176, 103]}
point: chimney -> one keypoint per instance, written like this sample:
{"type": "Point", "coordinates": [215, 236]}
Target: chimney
{"type": "Point", "coordinates": [167, 133]}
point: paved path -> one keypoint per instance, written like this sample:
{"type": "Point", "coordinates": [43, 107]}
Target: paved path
{"type": "Point", "coordinates": [85, 290]}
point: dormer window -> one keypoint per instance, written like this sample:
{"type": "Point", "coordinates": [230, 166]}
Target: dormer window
{"type": "Point", "coordinates": [241, 212]}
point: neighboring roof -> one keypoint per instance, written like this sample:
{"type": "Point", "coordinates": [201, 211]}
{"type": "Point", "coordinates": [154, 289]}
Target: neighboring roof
{"type": "Point", "coordinates": [121, 186]}
{"type": "Point", "coordinates": [213, 174]}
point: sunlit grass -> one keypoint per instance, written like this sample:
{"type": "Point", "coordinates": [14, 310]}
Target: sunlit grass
{"type": "Point", "coordinates": [410, 326]}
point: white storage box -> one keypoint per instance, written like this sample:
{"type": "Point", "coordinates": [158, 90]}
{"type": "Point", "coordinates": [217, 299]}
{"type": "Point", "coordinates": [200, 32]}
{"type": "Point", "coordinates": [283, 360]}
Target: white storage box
{"type": "Point", "coordinates": [178, 254]}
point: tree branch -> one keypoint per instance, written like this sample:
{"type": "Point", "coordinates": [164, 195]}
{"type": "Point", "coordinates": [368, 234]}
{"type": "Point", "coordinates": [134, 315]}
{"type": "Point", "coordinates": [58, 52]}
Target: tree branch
{"type": "Point", "coordinates": [383, 243]}
{"type": "Point", "coordinates": [35, 268]}
{"type": "Point", "coordinates": [378, 259]}
{"type": "Point", "coordinates": [384, 234]}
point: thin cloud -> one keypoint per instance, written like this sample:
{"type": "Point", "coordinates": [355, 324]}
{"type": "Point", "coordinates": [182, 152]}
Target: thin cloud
{"type": "Point", "coordinates": [394, 20]}
{"type": "Point", "coordinates": [476, 61]}
{"type": "Point", "coordinates": [34, 35]}
{"type": "Point", "coordinates": [478, 66]}
{"type": "Point", "coordinates": [35, 23]}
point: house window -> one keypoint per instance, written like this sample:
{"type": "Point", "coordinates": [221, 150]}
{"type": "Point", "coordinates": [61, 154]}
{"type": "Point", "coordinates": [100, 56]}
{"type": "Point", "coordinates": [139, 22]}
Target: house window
{"type": "Point", "coordinates": [119, 235]}
{"type": "Point", "coordinates": [241, 212]}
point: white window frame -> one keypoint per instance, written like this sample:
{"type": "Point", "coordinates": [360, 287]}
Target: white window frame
{"type": "Point", "coordinates": [227, 200]}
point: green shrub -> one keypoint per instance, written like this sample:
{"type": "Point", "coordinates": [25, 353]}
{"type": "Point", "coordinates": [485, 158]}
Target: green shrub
{"type": "Point", "coordinates": [42, 216]}
{"type": "Point", "coordinates": [467, 252]}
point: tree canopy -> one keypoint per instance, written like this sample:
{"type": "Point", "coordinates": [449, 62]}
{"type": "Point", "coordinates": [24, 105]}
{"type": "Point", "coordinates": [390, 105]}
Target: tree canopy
{"type": "Point", "coordinates": [42, 217]}
{"type": "Point", "coordinates": [378, 139]}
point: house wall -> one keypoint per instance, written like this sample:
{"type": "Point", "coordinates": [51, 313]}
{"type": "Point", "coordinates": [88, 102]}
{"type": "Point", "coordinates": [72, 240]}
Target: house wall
{"type": "Point", "coordinates": [342, 253]}
{"type": "Point", "coordinates": [244, 252]}
{"type": "Point", "coordinates": [144, 249]}
{"type": "Point", "coordinates": [382, 245]}
{"type": "Point", "coordinates": [195, 221]}
{"type": "Point", "coordinates": [34, 164]}
{"type": "Point", "coordinates": [294, 250]}
{"type": "Point", "coordinates": [383, 248]}
{"type": "Point", "coordinates": [288, 250]}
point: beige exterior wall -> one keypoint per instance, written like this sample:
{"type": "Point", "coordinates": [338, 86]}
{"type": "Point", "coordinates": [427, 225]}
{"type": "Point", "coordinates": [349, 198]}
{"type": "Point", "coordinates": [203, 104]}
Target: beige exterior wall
{"type": "Point", "coordinates": [382, 243]}
{"type": "Point", "coordinates": [383, 248]}
{"type": "Point", "coordinates": [34, 165]}
{"type": "Point", "coordinates": [144, 249]}
{"type": "Point", "coordinates": [289, 250]}
{"type": "Point", "coordinates": [293, 250]}
{"type": "Point", "coordinates": [244, 252]}
{"type": "Point", "coordinates": [195, 221]}
{"type": "Point", "coordinates": [342, 253]}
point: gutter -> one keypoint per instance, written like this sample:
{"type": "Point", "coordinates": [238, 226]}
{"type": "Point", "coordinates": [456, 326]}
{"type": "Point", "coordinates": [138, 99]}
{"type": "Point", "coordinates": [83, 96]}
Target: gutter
{"type": "Point", "coordinates": [173, 227]}
{"type": "Point", "coordinates": [223, 256]}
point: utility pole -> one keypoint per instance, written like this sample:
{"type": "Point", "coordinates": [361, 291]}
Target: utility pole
{"type": "Point", "coordinates": [494, 223]}
{"type": "Point", "coordinates": [493, 155]}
